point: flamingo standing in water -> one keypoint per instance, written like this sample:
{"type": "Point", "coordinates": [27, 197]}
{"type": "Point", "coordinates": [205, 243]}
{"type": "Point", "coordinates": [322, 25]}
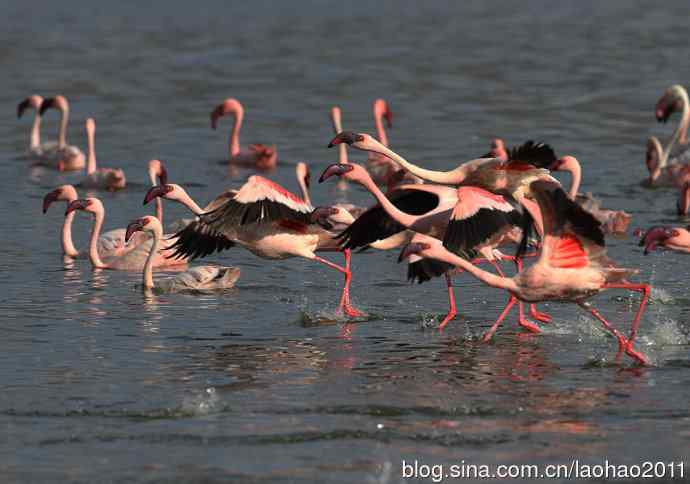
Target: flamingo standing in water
{"type": "Point", "coordinates": [267, 220]}
{"type": "Point", "coordinates": [200, 278]}
{"type": "Point", "coordinates": [65, 157]}
{"type": "Point", "coordinates": [572, 265]}
{"type": "Point", "coordinates": [675, 99]}
{"type": "Point", "coordinates": [261, 157]}
{"type": "Point", "coordinates": [129, 260]}
{"type": "Point", "coordinates": [111, 243]}
{"type": "Point", "coordinates": [470, 221]}
{"type": "Point", "coordinates": [612, 221]}
{"type": "Point", "coordinates": [36, 149]}
{"type": "Point", "coordinates": [110, 179]}
{"type": "Point", "coordinates": [158, 175]}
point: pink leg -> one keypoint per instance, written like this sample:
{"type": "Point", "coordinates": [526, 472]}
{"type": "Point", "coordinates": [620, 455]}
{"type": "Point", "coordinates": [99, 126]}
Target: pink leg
{"type": "Point", "coordinates": [522, 320]}
{"type": "Point", "coordinates": [345, 304]}
{"type": "Point", "coordinates": [622, 342]}
{"type": "Point", "coordinates": [489, 334]}
{"type": "Point", "coordinates": [452, 312]}
{"type": "Point", "coordinates": [645, 289]}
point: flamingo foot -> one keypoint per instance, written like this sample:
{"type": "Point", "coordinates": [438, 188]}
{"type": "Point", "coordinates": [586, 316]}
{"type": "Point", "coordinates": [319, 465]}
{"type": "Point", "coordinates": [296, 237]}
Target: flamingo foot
{"type": "Point", "coordinates": [632, 352]}
{"type": "Point", "coordinates": [487, 336]}
{"type": "Point", "coordinates": [530, 326]}
{"type": "Point", "coordinates": [538, 315]}
{"type": "Point", "coordinates": [351, 311]}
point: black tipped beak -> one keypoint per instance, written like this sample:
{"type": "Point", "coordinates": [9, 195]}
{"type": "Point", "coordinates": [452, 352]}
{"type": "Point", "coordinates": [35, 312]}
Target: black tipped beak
{"type": "Point", "coordinates": [653, 238]}
{"type": "Point", "coordinates": [48, 199]}
{"type": "Point", "coordinates": [47, 104]}
{"type": "Point", "coordinates": [22, 106]}
{"type": "Point", "coordinates": [347, 137]}
{"type": "Point", "coordinates": [132, 228]}
{"type": "Point", "coordinates": [336, 169]}
{"type": "Point", "coordinates": [154, 192]}
{"type": "Point", "coordinates": [75, 205]}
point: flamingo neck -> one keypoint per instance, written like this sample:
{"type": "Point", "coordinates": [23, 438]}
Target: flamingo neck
{"type": "Point", "coordinates": [576, 173]}
{"type": "Point", "coordinates": [680, 134]}
{"type": "Point", "coordinates": [337, 128]}
{"type": "Point", "coordinates": [66, 239]}
{"type": "Point", "coordinates": [488, 278]}
{"type": "Point", "coordinates": [533, 209]}
{"type": "Point", "coordinates": [91, 160]}
{"type": "Point", "coordinates": [35, 138]}
{"type": "Point", "coordinates": [303, 188]}
{"type": "Point", "coordinates": [453, 177]}
{"type": "Point", "coordinates": [235, 134]}
{"type": "Point", "coordinates": [159, 202]}
{"type": "Point", "coordinates": [380, 130]}
{"type": "Point", "coordinates": [685, 120]}
{"type": "Point", "coordinates": [95, 259]}
{"type": "Point", "coordinates": [62, 134]}
{"type": "Point", "coordinates": [148, 266]}
{"type": "Point", "coordinates": [187, 201]}
{"type": "Point", "coordinates": [397, 215]}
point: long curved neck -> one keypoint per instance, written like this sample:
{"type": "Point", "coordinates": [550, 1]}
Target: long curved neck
{"type": "Point", "coordinates": [453, 177]}
{"type": "Point", "coordinates": [397, 215]}
{"type": "Point", "coordinates": [235, 134]}
{"type": "Point", "coordinates": [95, 259]}
{"type": "Point", "coordinates": [303, 188]}
{"type": "Point", "coordinates": [187, 201]}
{"type": "Point", "coordinates": [486, 277]}
{"type": "Point", "coordinates": [62, 134]}
{"type": "Point", "coordinates": [66, 238]}
{"type": "Point", "coordinates": [337, 128]}
{"type": "Point", "coordinates": [91, 160]}
{"type": "Point", "coordinates": [576, 173]}
{"type": "Point", "coordinates": [159, 202]}
{"type": "Point", "coordinates": [679, 135]}
{"type": "Point", "coordinates": [35, 138]}
{"type": "Point", "coordinates": [148, 267]}
{"type": "Point", "coordinates": [684, 121]}
{"type": "Point", "coordinates": [380, 130]}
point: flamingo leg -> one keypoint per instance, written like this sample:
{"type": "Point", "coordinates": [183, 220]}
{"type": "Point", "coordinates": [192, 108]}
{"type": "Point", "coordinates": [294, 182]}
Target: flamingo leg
{"type": "Point", "coordinates": [645, 290]}
{"type": "Point", "coordinates": [345, 305]}
{"type": "Point", "coordinates": [522, 320]}
{"type": "Point", "coordinates": [622, 342]}
{"type": "Point", "coordinates": [533, 312]}
{"type": "Point", "coordinates": [489, 334]}
{"type": "Point", "coordinates": [452, 311]}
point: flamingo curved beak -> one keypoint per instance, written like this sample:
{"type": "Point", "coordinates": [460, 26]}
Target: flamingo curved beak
{"type": "Point", "coordinates": [320, 216]}
{"type": "Point", "coordinates": [411, 249]}
{"type": "Point", "coordinates": [132, 228]}
{"type": "Point", "coordinates": [154, 192]}
{"type": "Point", "coordinates": [22, 106]}
{"type": "Point", "coordinates": [76, 205]}
{"type": "Point", "coordinates": [336, 169]}
{"type": "Point", "coordinates": [50, 198]}
{"type": "Point", "coordinates": [47, 104]}
{"type": "Point", "coordinates": [654, 237]}
{"type": "Point", "coordinates": [343, 137]}
{"type": "Point", "coordinates": [556, 165]}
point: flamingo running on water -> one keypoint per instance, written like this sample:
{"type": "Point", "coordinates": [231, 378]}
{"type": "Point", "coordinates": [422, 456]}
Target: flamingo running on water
{"type": "Point", "coordinates": [261, 157]}
{"type": "Point", "coordinates": [110, 179]}
{"type": "Point", "coordinates": [65, 157]}
{"type": "Point", "coordinates": [200, 278]}
{"type": "Point", "coordinates": [267, 220]}
{"type": "Point", "coordinates": [36, 148]}
{"type": "Point", "coordinates": [572, 265]}
{"type": "Point", "coordinates": [129, 260]}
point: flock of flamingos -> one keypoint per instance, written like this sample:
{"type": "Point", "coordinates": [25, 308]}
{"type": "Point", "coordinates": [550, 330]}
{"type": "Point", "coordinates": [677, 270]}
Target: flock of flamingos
{"type": "Point", "coordinates": [444, 222]}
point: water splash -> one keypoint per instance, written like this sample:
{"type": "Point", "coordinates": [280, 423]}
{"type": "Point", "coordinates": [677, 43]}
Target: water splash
{"type": "Point", "coordinates": [204, 403]}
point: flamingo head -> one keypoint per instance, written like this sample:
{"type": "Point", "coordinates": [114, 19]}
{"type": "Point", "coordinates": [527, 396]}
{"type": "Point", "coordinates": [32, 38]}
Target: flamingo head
{"type": "Point", "coordinates": [148, 223]}
{"type": "Point", "coordinates": [66, 193]}
{"type": "Point", "coordinates": [157, 169]}
{"type": "Point", "coordinates": [498, 149]}
{"type": "Point", "coordinates": [92, 205]}
{"type": "Point", "coordinates": [321, 216]}
{"type": "Point", "coordinates": [302, 172]}
{"type": "Point", "coordinates": [565, 163]}
{"type": "Point", "coordinates": [670, 102]}
{"type": "Point", "coordinates": [58, 102]}
{"type": "Point", "coordinates": [266, 156]}
{"type": "Point", "coordinates": [657, 236]}
{"type": "Point", "coordinates": [116, 179]}
{"type": "Point", "coordinates": [413, 248]}
{"type": "Point", "coordinates": [381, 109]}
{"type": "Point", "coordinates": [34, 101]}
{"type": "Point", "coordinates": [349, 171]}
{"type": "Point", "coordinates": [90, 125]}
{"type": "Point", "coordinates": [230, 105]}
{"type": "Point", "coordinates": [169, 191]}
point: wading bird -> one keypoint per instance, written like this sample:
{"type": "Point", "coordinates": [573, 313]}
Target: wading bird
{"type": "Point", "coordinates": [65, 157]}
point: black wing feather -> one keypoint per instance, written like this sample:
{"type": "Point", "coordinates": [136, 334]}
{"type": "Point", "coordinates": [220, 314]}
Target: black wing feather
{"type": "Point", "coordinates": [233, 213]}
{"type": "Point", "coordinates": [540, 155]}
{"type": "Point", "coordinates": [424, 269]}
{"type": "Point", "coordinates": [198, 240]}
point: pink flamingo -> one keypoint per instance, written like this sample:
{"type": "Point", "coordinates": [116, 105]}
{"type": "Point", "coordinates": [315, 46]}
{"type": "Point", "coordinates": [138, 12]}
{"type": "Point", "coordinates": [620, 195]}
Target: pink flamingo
{"type": "Point", "coordinates": [381, 167]}
{"type": "Point", "coordinates": [65, 157]}
{"type": "Point", "coordinates": [201, 278]}
{"type": "Point", "coordinates": [683, 203]}
{"type": "Point", "coordinates": [36, 149]}
{"type": "Point", "coordinates": [672, 238]}
{"type": "Point", "coordinates": [468, 219]}
{"type": "Point", "coordinates": [111, 243]}
{"type": "Point", "coordinates": [661, 173]}
{"type": "Point", "coordinates": [267, 220]}
{"type": "Point", "coordinates": [261, 157]}
{"type": "Point", "coordinates": [131, 260]}
{"type": "Point", "coordinates": [498, 150]}
{"type": "Point", "coordinates": [572, 265]}
{"type": "Point", "coordinates": [110, 179]}
{"type": "Point", "coordinates": [612, 221]}
{"type": "Point", "coordinates": [675, 99]}
{"type": "Point", "coordinates": [158, 175]}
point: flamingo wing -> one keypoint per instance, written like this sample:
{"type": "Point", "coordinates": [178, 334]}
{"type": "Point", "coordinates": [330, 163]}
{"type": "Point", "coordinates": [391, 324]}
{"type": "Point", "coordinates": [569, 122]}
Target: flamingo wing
{"type": "Point", "coordinates": [539, 155]}
{"type": "Point", "coordinates": [258, 201]}
{"type": "Point", "coordinates": [375, 223]}
{"type": "Point", "coordinates": [198, 240]}
{"type": "Point", "coordinates": [422, 270]}
{"type": "Point", "coordinates": [477, 217]}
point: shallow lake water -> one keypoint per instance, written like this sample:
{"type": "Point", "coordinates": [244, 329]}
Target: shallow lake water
{"type": "Point", "coordinates": [263, 383]}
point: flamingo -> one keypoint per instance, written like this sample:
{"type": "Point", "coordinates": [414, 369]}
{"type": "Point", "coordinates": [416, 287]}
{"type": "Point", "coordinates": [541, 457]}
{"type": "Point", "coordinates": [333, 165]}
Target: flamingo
{"type": "Point", "coordinates": [111, 243]}
{"type": "Point", "coordinates": [683, 203]}
{"type": "Point", "coordinates": [661, 173]}
{"type": "Point", "coordinates": [470, 220]}
{"type": "Point", "coordinates": [675, 99]}
{"type": "Point", "coordinates": [676, 239]}
{"type": "Point", "coordinates": [110, 179]}
{"type": "Point", "coordinates": [267, 220]}
{"type": "Point", "coordinates": [262, 157]}
{"type": "Point", "coordinates": [572, 264]}
{"type": "Point", "coordinates": [380, 167]}
{"type": "Point", "coordinates": [498, 150]}
{"type": "Point", "coordinates": [36, 149]}
{"type": "Point", "coordinates": [612, 221]}
{"type": "Point", "coordinates": [157, 173]}
{"type": "Point", "coordinates": [129, 260]}
{"type": "Point", "coordinates": [65, 157]}
{"type": "Point", "coordinates": [201, 278]}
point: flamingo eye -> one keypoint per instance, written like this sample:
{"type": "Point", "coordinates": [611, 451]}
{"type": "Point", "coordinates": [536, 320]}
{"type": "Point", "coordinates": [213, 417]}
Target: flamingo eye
{"type": "Point", "coordinates": [359, 138]}
{"type": "Point", "coordinates": [144, 221]}
{"type": "Point", "coordinates": [169, 188]}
